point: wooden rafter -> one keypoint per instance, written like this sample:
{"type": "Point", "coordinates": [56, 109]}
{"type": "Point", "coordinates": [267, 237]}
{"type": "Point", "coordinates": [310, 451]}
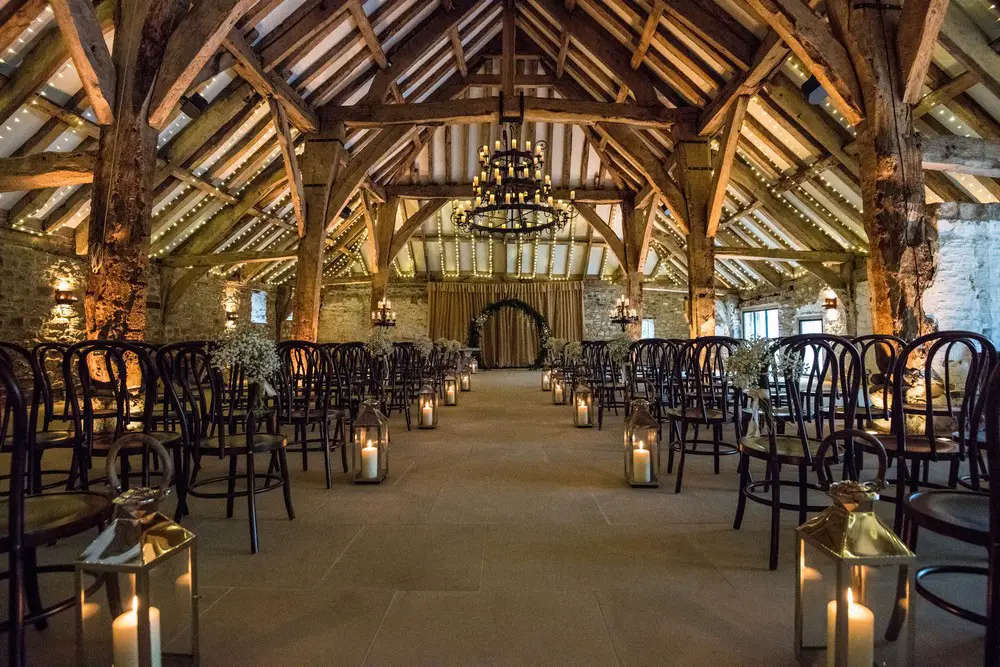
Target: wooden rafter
{"type": "Point", "coordinates": [916, 38]}
{"type": "Point", "coordinates": [287, 147]}
{"type": "Point", "coordinates": [82, 33]}
{"type": "Point", "coordinates": [724, 163]}
{"type": "Point", "coordinates": [648, 30]}
{"type": "Point", "coordinates": [224, 258]}
{"type": "Point", "coordinates": [46, 170]}
{"type": "Point", "coordinates": [962, 155]}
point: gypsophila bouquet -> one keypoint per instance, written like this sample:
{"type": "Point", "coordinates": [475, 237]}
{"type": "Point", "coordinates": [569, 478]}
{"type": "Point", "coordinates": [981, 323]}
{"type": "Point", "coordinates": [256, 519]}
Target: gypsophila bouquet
{"type": "Point", "coordinates": [748, 363]}
{"type": "Point", "coordinates": [480, 320]}
{"type": "Point", "coordinates": [379, 344]}
{"type": "Point", "coordinates": [423, 345]}
{"type": "Point", "coordinates": [620, 347]}
{"type": "Point", "coordinates": [449, 345]}
{"type": "Point", "coordinates": [248, 348]}
{"type": "Point", "coordinates": [554, 345]}
{"type": "Point", "coordinates": [573, 350]}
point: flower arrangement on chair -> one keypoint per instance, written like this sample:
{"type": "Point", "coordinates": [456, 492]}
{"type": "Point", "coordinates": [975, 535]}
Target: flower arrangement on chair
{"type": "Point", "coordinates": [247, 346]}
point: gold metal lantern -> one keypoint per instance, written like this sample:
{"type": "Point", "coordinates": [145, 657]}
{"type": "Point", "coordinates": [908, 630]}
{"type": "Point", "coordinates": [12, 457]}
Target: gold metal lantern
{"type": "Point", "coordinates": [450, 387]}
{"type": "Point", "coordinates": [854, 585]}
{"type": "Point", "coordinates": [370, 454]}
{"type": "Point", "coordinates": [583, 407]}
{"type": "Point", "coordinates": [149, 567]}
{"type": "Point", "coordinates": [427, 407]}
{"type": "Point", "coordinates": [547, 379]}
{"type": "Point", "coordinates": [642, 447]}
{"type": "Point", "coordinates": [559, 389]}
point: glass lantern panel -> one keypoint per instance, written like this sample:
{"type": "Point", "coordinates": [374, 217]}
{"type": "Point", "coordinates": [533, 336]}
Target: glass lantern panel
{"type": "Point", "coordinates": [465, 380]}
{"type": "Point", "coordinates": [546, 379]}
{"type": "Point", "coordinates": [871, 592]}
{"type": "Point", "coordinates": [427, 414]}
{"type": "Point", "coordinates": [450, 391]}
{"type": "Point", "coordinates": [155, 579]}
{"type": "Point", "coordinates": [558, 390]}
{"type": "Point", "coordinates": [583, 413]}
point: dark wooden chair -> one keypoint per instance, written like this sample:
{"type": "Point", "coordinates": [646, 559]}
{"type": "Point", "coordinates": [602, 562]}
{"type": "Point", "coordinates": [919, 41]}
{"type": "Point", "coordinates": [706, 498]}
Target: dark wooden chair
{"type": "Point", "coordinates": [832, 379]}
{"type": "Point", "coordinates": [227, 417]}
{"type": "Point", "coordinates": [306, 385]}
{"type": "Point", "coordinates": [32, 520]}
{"type": "Point", "coordinates": [702, 398]}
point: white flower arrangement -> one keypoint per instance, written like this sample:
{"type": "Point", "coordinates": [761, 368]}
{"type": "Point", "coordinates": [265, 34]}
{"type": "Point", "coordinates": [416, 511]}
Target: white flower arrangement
{"type": "Point", "coordinates": [620, 347]}
{"type": "Point", "coordinates": [423, 345]}
{"type": "Point", "coordinates": [573, 350]}
{"type": "Point", "coordinates": [449, 345]}
{"type": "Point", "coordinates": [379, 344]}
{"type": "Point", "coordinates": [248, 347]}
{"type": "Point", "coordinates": [747, 363]}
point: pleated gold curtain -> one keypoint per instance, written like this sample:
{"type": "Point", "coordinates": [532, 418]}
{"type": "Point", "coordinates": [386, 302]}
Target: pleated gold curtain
{"type": "Point", "coordinates": [509, 339]}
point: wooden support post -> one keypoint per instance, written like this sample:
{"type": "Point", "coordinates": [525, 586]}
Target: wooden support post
{"type": "Point", "coordinates": [320, 165]}
{"type": "Point", "coordinates": [385, 225]}
{"type": "Point", "coordinates": [115, 301]}
{"type": "Point", "coordinates": [901, 258]}
{"type": "Point", "coordinates": [694, 176]}
{"type": "Point", "coordinates": [632, 219]}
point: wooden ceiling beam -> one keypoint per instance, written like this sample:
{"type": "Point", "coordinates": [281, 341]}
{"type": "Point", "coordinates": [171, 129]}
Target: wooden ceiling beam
{"type": "Point", "coordinates": [961, 155]}
{"type": "Point", "coordinates": [812, 40]}
{"type": "Point", "coordinates": [224, 258]}
{"type": "Point", "coordinates": [46, 170]}
{"type": "Point", "coordinates": [969, 45]}
{"type": "Point", "coordinates": [83, 36]}
{"type": "Point", "coordinates": [648, 31]}
{"type": "Point", "coordinates": [754, 254]}
{"type": "Point", "coordinates": [270, 84]}
{"type": "Point", "coordinates": [597, 223]}
{"type": "Point", "coordinates": [15, 18]}
{"type": "Point", "coordinates": [724, 163]}
{"type": "Point", "coordinates": [464, 191]}
{"type": "Point", "coordinates": [191, 46]}
{"type": "Point", "coordinates": [367, 33]}
{"type": "Point", "coordinates": [287, 147]}
{"type": "Point", "coordinates": [308, 20]}
{"type": "Point", "coordinates": [917, 35]}
{"type": "Point", "coordinates": [484, 109]}
{"type": "Point", "coordinates": [769, 56]}
{"type": "Point", "coordinates": [458, 51]}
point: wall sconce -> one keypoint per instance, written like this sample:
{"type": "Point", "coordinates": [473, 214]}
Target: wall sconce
{"type": "Point", "coordinates": [64, 295]}
{"type": "Point", "coordinates": [830, 304]}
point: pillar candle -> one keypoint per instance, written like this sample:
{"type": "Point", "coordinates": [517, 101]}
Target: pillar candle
{"type": "Point", "coordinates": [558, 389]}
{"type": "Point", "coordinates": [860, 634]}
{"type": "Point", "coordinates": [125, 636]}
{"type": "Point", "coordinates": [450, 394]}
{"type": "Point", "coordinates": [581, 413]}
{"type": "Point", "coordinates": [369, 461]}
{"type": "Point", "coordinates": [427, 415]}
{"type": "Point", "coordinates": [640, 465]}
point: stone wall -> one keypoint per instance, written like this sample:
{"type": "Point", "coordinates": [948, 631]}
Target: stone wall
{"type": "Point", "coordinates": [799, 300]}
{"type": "Point", "coordinates": [345, 313]}
{"type": "Point", "coordinates": [28, 311]}
{"type": "Point", "coordinates": [965, 289]}
{"type": "Point", "coordinates": [665, 308]}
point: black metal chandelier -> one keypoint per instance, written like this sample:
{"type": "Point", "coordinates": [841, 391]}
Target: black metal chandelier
{"type": "Point", "coordinates": [623, 313]}
{"type": "Point", "coordinates": [512, 194]}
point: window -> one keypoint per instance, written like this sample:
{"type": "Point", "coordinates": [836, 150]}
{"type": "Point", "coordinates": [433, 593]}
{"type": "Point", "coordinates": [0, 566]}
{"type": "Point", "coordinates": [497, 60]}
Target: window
{"type": "Point", "coordinates": [258, 307]}
{"type": "Point", "coordinates": [760, 323]}
{"type": "Point", "coordinates": [811, 326]}
{"type": "Point", "coordinates": [648, 327]}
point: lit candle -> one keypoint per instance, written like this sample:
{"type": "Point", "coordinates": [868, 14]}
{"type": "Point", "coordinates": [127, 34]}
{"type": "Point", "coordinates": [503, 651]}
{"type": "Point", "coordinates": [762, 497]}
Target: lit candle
{"type": "Point", "coordinates": [572, 195]}
{"type": "Point", "coordinates": [527, 145]}
{"type": "Point", "coordinates": [558, 389]}
{"type": "Point", "coordinates": [538, 174]}
{"type": "Point", "coordinates": [475, 180]}
{"type": "Point", "coordinates": [498, 144]}
{"type": "Point", "coordinates": [493, 198]}
{"type": "Point", "coordinates": [513, 143]}
{"type": "Point", "coordinates": [369, 461]}
{"type": "Point", "coordinates": [548, 180]}
{"type": "Point", "coordinates": [520, 197]}
{"type": "Point", "coordinates": [640, 464]}
{"type": "Point", "coordinates": [538, 198]}
{"type": "Point", "coordinates": [510, 171]}
{"type": "Point", "coordinates": [125, 636]}
{"type": "Point", "coordinates": [546, 380]}
{"type": "Point", "coordinates": [450, 394]}
{"type": "Point", "coordinates": [860, 633]}
{"type": "Point", "coordinates": [427, 415]}
{"type": "Point", "coordinates": [581, 412]}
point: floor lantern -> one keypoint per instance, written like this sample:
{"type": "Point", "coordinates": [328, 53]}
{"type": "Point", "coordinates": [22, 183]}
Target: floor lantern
{"type": "Point", "coordinates": [450, 390]}
{"type": "Point", "coordinates": [371, 445]}
{"type": "Point", "coordinates": [473, 365]}
{"type": "Point", "coordinates": [150, 595]}
{"type": "Point", "coordinates": [465, 379]}
{"type": "Point", "coordinates": [854, 585]}
{"type": "Point", "coordinates": [558, 388]}
{"type": "Point", "coordinates": [642, 451]}
{"type": "Point", "coordinates": [546, 379]}
{"type": "Point", "coordinates": [583, 407]}
{"type": "Point", "coordinates": [427, 400]}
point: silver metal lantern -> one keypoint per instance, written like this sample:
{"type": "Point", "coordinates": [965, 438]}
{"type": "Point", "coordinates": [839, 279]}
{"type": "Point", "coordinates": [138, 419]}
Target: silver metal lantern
{"type": "Point", "coordinates": [559, 390]}
{"type": "Point", "coordinates": [642, 447]}
{"type": "Point", "coordinates": [450, 387]}
{"type": "Point", "coordinates": [583, 407]}
{"type": "Point", "coordinates": [370, 445]}
{"type": "Point", "coordinates": [547, 379]}
{"type": "Point", "coordinates": [465, 379]}
{"type": "Point", "coordinates": [854, 582]}
{"type": "Point", "coordinates": [427, 407]}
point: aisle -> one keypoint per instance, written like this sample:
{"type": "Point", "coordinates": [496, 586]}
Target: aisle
{"type": "Point", "coordinates": [504, 537]}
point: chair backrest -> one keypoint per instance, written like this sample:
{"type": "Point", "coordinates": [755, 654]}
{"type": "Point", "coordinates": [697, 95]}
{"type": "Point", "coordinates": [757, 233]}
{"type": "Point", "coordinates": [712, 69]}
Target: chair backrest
{"type": "Point", "coordinates": [878, 358]}
{"type": "Point", "coordinates": [941, 375]}
{"type": "Point", "coordinates": [305, 378]}
{"type": "Point", "coordinates": [26, 372]}
{"type": "Point", "coordinates": [991, 418]}
{"type": "Point", "coordinates": [818, 377]}
{"type": "Point", "coordinates": [699, 374]}
{"type": "Point", "coordinates": [16, 406]}
{"type": "Point", "coordinates": [49, 357]}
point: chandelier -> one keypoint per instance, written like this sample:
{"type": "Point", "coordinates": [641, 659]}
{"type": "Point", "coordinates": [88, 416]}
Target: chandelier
{"type": "Point", "coordinates": [510, 194]}
{"type": "Point", "coordinates": [384, 315]}
{"type": "Point", "coordinates": [623, 313]}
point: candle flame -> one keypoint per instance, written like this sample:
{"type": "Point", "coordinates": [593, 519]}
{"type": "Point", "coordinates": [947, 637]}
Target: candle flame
{"type": "Point", "coordinates": [135, 603]}
{"type": "Point", "coordinates": [850, 598]}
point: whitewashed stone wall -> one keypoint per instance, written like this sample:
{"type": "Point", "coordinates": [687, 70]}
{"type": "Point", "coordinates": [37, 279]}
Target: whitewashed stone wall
{"type": "Point", "coordinates": [965, 290]}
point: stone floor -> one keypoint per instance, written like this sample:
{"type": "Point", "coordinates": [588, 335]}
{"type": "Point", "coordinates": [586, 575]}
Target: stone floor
{"type": "Point", "coordinates": [506, 537]}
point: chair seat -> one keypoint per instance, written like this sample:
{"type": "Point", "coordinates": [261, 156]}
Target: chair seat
{"type": "Point", "coordinates": [51, 516]}
{"type": "Point", "coordinates": [964, 515]}
{"type": "Point", "coordinates": [787, 446]}
{"type": "Point", "coordinates": [311, 416]}
{"type": "Point", "coordinates": [103, 441]}
{"type": "Point", "coordinates": [919, 445]}
{"type": "Point", "coordinates": [695, 413]}
{"type": "Point", "coordinates": [47, 439]}
{"type": "Point", "coordinates": [236, 444]}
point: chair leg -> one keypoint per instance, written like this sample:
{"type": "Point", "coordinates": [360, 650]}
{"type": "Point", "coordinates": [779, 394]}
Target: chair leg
{"type": "Point", "coordinates": [324, 439]}
{"type": "Point", "coordinates": [897, 524]}
{"type": "Point", "coordinates": [803, 492]}
{"type": "Point", "coordinates": [670, 448]}
{"type": "Point", "coordinates": [775, 512]}
{"type": "Point", "coordinates": [683, 456]}
{"type": "Point", "coordinates": [231, 489]}
{"type": "Point", "coordinates": [252, 504]}
{"type": "Point", "coordinates": [287, 485]}
{"type": "Point", "coordinates": [992, 604]}
{"type": "Point", "coordinates": [741, 504]}
{"type": "Point", "coordinates": [32, 593]}
{"type": "Point", "coordinates": [716, 438]}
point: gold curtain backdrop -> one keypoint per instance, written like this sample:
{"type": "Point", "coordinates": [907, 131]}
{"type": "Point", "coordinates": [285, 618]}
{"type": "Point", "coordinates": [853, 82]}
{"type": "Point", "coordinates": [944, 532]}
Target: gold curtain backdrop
{"type": "Point", "coordinates": [509, 338]}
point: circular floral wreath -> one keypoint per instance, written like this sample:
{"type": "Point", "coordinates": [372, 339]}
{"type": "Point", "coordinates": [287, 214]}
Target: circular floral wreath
{"type": "Point", "coordinates": [479, 321]}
